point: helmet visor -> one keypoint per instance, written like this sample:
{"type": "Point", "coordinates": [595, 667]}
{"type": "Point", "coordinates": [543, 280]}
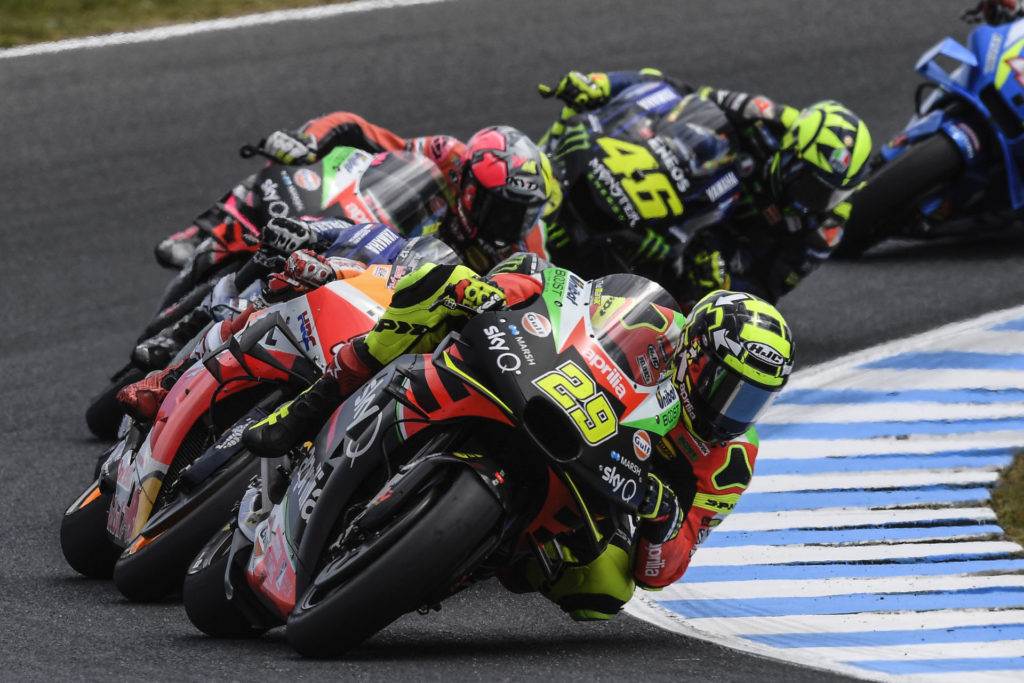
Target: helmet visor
{"type": "Point", "coordinates": [499, 220]}
{"type": "Point", "coordinates": [724, 403]}
{"type": "Point", "coordinates": [807, 191]}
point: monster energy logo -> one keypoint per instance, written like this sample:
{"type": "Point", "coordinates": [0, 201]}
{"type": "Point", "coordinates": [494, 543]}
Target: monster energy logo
{"type": "Point", "coordinates": [573, 139]}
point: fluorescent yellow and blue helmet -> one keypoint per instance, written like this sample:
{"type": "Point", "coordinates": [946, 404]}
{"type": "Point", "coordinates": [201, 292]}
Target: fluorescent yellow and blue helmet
{"type": "Point", "coordinates": [737, 354]}
{"type": "Point", "coordinates": [821, 160]}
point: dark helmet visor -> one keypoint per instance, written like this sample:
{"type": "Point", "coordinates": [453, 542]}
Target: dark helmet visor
{"type": "Point", "coordinates": [807, 191]}
{"type": "Point", "coordinates": [726, 405]}
{"type": "Point", "coordinates": [500, 220]}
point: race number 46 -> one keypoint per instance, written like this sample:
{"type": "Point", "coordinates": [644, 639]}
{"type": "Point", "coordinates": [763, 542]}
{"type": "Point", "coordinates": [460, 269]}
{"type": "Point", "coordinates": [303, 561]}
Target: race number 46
{"type": "Point", "coordinates": [651, 193]}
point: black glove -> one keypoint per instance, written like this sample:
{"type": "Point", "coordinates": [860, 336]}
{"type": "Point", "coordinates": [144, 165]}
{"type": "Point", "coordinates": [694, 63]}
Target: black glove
{"type": "Point", "coordinates": [660, 514]}
{"type": "Point", "coordinates": [281, 237]}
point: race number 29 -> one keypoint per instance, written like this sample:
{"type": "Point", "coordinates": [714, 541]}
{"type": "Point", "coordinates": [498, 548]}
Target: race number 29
{"type": "Point", "coordinates": [576, 393]}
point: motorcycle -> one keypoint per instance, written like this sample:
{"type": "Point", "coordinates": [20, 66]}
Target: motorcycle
{"type": "Point", "coordinates": [163, 489]}
{"type": "Point", "coordinates": [650, 159]}
{"type": "Point", "coordinates": [956, 167]}
{"type": "Point", "coordinates": [397, 188]}
{"type": "Point", "coordinates": [527, 433]}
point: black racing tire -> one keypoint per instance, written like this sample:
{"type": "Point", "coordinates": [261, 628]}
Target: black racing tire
{"type": "Point", "coordinates": [104, 414]}
{"type": "Point", "coordinates": [885, 203]}
{"type": "Point", "coordinates": [414, 569]}
{"type": "Point", "coordinates": [83, 535]}
{"type": "Point", "coordinates": [154, 565]}
{"type": "Point", "coordinates": [206, 602]}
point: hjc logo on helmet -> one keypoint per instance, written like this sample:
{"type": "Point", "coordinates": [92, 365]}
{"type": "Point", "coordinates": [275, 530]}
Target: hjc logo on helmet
{"type": "Point", "coordinates": [764, 353]}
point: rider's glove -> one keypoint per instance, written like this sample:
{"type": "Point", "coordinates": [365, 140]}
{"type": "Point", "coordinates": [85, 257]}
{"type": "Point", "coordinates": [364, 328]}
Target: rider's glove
{"type": "Point", "coordinates": [280, 237]}
{"type": "Point", "coordinates": [660, 514]}
{"type": "Point", "coordinates": [477, 293]}
{"type": "Point", "coordinates": [303, 271]}
{"type": "Point", "coordinates": [287, 235]}
{"type": "Point", "coordinates": [290, 147]}
{"type": "Point", "coordinates": [580, 91]}
{"type": "Point", "coordinates": [309, 268]}
{"type": "Point", "coordinates": [706, 270]}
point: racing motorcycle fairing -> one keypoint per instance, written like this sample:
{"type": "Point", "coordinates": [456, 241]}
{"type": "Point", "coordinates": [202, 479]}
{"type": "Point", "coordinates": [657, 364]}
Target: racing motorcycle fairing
{"type": "Point", "coordinates": [650, 159]}
{"type": "Point", "coordinates": [288, 343]}
{"type": "Point", "coordinates": [978, 104]}
{"type": "Point", "coordinates": [501, 400]}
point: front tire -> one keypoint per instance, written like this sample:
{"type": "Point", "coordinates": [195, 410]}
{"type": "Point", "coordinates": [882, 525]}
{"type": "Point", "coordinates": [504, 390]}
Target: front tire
{"type": "Point", "coordinates": [886, 203]}
{"type": "Point", "coordinates": [83, 535]}
{"type": "Point", "coordinates": [417, 567]}
{"type": "Point", "coordinates": [154, 565]}
{"type": "Point", "coordinates": [206, 602]}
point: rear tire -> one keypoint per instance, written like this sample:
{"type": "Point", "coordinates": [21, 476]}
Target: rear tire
{"type": "Point", "coordinates": [206, 602]}
{"type": "Point", "coordinates": [886, 203]}
{"type": "Point", "coordinates": [417, 567]}
{"type": "Point", "coordinates": [158, 567]}
{"type": "Point", "coordinates": [83, 535]}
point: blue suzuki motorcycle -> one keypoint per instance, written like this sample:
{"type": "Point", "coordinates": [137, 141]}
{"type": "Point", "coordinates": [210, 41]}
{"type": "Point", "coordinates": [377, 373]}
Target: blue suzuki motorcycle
{"type": "Point", "coordinates": [956, 168]}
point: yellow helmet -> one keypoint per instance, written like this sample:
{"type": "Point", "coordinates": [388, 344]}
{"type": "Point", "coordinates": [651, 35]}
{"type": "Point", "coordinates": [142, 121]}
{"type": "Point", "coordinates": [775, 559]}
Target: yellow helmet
{"type": "Point", "coordinates": [822, 158]}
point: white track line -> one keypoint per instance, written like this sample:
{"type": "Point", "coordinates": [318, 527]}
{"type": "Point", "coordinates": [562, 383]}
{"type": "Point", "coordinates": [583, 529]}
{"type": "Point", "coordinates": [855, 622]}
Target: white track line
{"type": "Point", "coordinates": [180, 30]}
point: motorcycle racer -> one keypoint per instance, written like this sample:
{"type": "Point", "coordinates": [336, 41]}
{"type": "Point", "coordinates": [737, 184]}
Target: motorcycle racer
{"type": "Point", "coordinates": [733, 355]}
{"type": "Point", "coordinates": [500, 192]}
{"type": "Point", "coordinates": [797, 167]}
{"type": "Point", "coordinates": [994, 12]}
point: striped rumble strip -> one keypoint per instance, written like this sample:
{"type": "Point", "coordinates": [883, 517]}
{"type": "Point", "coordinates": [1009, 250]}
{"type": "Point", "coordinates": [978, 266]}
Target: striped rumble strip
{"type": "Point", "coordinates": [866, 544]}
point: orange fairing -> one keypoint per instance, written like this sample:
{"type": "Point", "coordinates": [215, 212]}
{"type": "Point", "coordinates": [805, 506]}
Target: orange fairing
{"type": "Point", "coordinates": [93, 495]}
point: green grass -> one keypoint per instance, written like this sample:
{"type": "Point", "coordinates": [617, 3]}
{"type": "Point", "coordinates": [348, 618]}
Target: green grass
{"type": "Point", "coordinates": [23, 22]}
{"type": "Point", "coordinates": [1008, 500]}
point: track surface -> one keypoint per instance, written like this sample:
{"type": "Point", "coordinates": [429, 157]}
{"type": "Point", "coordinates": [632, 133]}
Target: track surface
{"type": "Point", "coordinates": [108, 150]}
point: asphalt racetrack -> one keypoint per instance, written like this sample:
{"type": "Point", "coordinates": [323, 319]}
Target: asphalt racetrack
{"type": "Point", "coordinates": [107, 150]}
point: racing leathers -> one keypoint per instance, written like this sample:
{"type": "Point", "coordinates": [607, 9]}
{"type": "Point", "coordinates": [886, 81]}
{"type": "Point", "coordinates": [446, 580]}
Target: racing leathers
{"type": "Point", "coordinates": [765, 248]}
{"type": "Point", "coordinates": [701, 481]}
{"type": "Point", "coordinates": [324, 250]}
{"type": "Point", "coordinates": [321, 134]}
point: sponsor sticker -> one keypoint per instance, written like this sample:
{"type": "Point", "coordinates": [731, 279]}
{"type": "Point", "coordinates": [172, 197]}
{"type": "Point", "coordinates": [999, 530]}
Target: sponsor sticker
{"type": "Point", "coordinates": [764, 353]}
{"type": "Point", "coordinates": [642, 445]}
{"type": "Point", "coordinates": [307, 179]}
{"type": "Point", "coordinates": [536, 324]}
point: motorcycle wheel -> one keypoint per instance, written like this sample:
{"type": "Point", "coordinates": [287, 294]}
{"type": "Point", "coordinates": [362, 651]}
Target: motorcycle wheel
{"type": "Point", "coordinates": [104, 414]}
{"type": "Point", "coordinates": [154, 564]}
{"type": "Point", "coordinates": [882, 206]}
{"type": "Point", "coordinates": [206, 602]}
{"type": "Point", "coordinates": [83, 535]}
{"type": "Point", "coordinates": [417, 565]}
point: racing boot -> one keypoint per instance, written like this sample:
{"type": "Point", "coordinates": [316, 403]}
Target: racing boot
{"type": "Point", "coordinates": [176, 250]}
{"type": "Point", "coordinates": [294, 422]}
{"type": "Point", "coordinates": [142, 399]}
{"type": "Point", "coordinates": [157, 351]}
{"type": "Point", "coordinates": [299, 420]}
